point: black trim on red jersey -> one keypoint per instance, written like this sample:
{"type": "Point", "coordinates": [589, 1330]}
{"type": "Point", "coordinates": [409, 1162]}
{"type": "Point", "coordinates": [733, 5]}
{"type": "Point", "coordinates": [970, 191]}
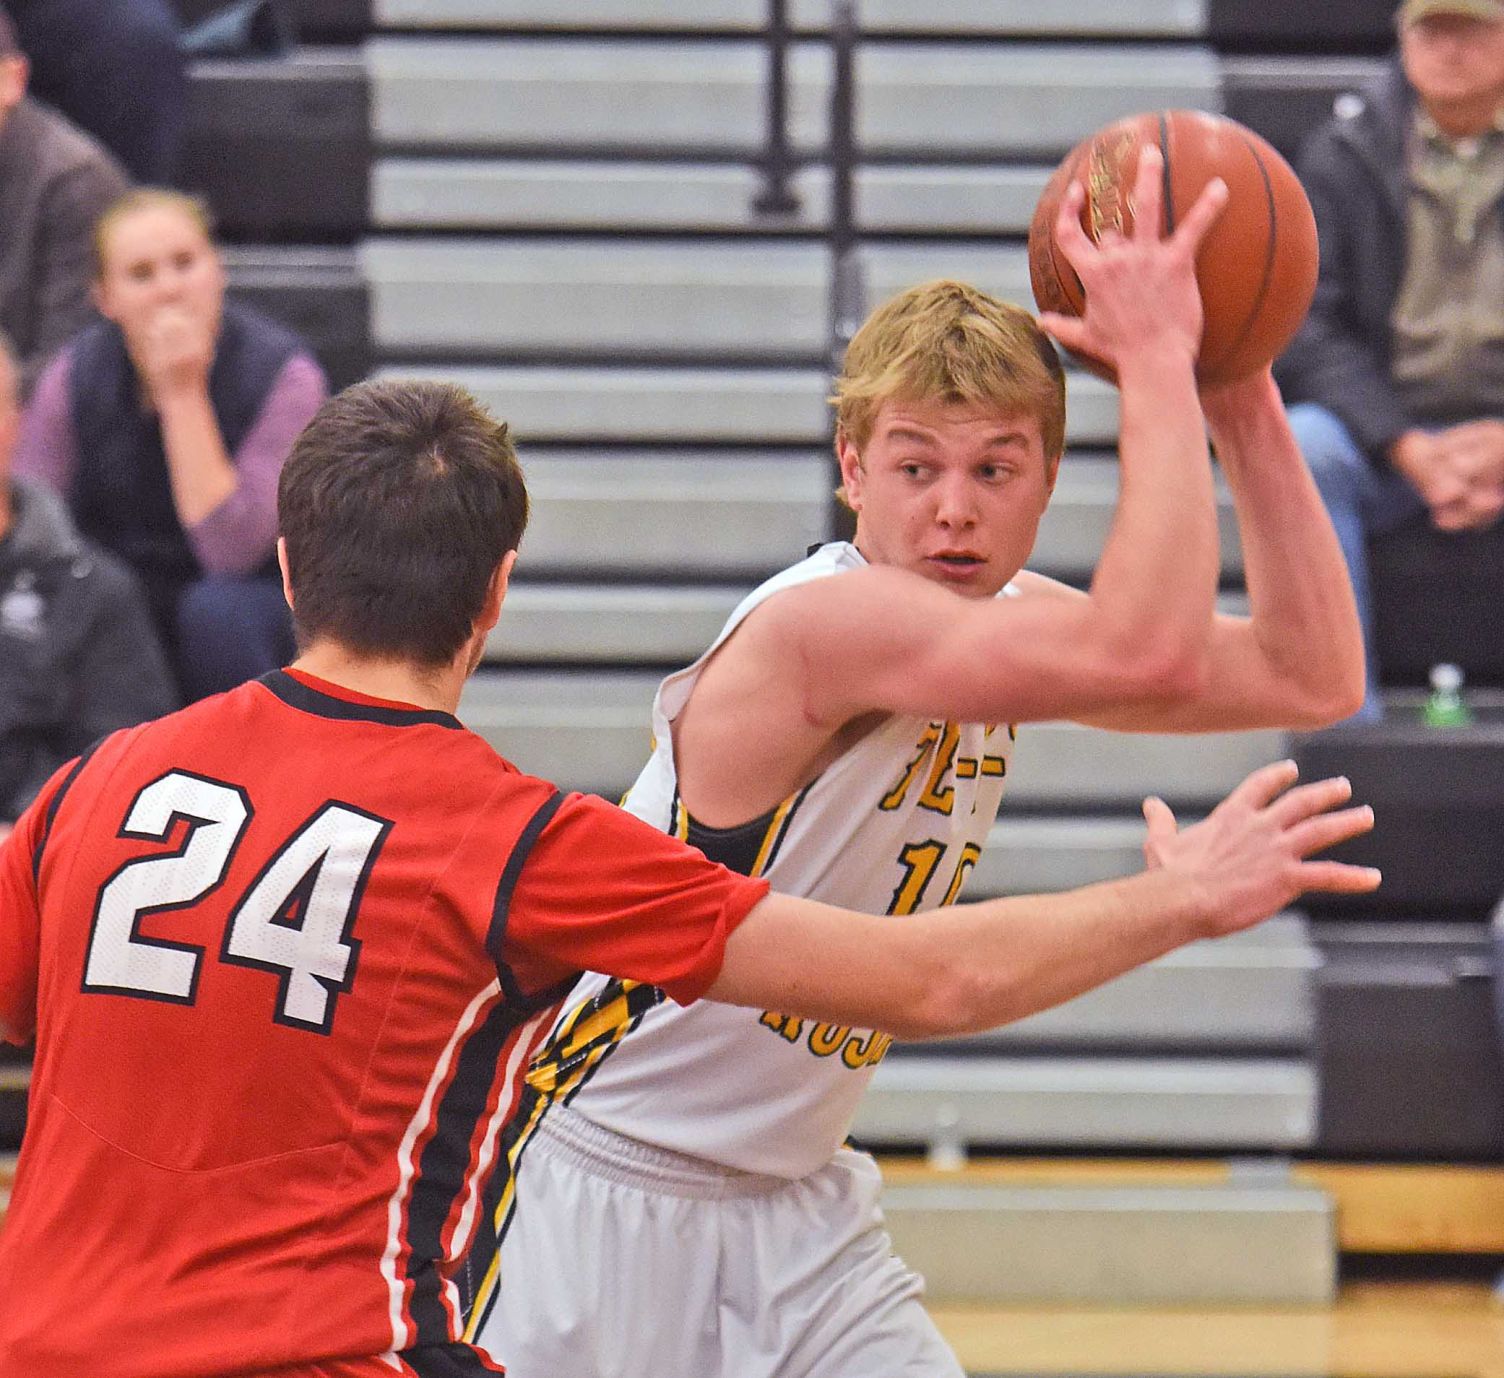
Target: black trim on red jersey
{"type": "Point", "coordinates": [496, 935]}
{"type": "Point", "coordinates": [452, 1360]}
{"type": "Point", "coordinates": [444, 1161]}
{"type": "Point", "coordinates": [52, 808]}
{"type": "Point", "coordinates": [306, 699]}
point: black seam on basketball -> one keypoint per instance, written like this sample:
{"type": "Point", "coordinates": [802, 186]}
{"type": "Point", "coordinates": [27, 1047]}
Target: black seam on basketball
{"type": "Point", "coordinates": [1166, 194]}
{"type": "Point", "coordinates": [1269, 254]}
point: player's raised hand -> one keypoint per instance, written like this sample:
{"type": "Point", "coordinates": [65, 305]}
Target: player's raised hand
{"type": "Point", "coordinates": [1251, 856]}
{"type": "Point", "coordinates": [1141, 292]}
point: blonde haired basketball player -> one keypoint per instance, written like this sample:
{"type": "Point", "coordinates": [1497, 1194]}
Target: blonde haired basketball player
{"type": "Point", "coordinates": [684, 1207]}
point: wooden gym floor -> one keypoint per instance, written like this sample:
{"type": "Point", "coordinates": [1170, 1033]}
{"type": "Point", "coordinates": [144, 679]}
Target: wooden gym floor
{"type": "Point", "coordinates": [1376, 1330]}
{"type": "Point", "coordinates": [1390, 1329]}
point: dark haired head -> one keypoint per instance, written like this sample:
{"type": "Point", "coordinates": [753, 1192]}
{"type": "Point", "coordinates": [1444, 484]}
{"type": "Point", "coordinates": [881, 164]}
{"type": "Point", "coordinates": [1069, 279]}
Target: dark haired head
{"type": "Point", "coordinates": [397, 504]}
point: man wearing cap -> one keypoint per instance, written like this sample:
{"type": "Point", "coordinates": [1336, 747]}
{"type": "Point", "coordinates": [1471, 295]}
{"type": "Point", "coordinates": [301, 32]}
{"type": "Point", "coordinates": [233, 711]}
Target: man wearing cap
{"type": "Point", "coordinates": [1398, 373]}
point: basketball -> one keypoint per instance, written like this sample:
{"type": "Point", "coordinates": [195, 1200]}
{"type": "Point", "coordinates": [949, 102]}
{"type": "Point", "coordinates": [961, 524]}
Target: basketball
{"type": "Point", "coordinates": [1256, 268]}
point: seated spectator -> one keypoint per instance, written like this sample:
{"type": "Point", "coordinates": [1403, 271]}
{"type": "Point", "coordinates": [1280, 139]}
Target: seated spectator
{"type": "Point", "coordinates": [55, 182]}
{"type": "Point", "coordinates": [165, 426]}
{"type": "Point", "coordinates": [115, 68]}
{"type": "Point", "coordinates": [1398, 372]}
{"type": "Point", "coordinates": [78, 654]}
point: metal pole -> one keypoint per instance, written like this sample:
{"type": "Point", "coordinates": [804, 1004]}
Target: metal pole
{"type": "Point", "coordinates": [776, 197]}
{"type": "Point", "coordinates": [847, 288]}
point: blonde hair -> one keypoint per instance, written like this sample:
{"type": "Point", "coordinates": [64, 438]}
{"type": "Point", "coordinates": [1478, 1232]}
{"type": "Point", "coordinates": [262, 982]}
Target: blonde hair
{"type": "Point", "coordinates": [148, 199]}
{"type": "Point", "coordinates": [946, 341]}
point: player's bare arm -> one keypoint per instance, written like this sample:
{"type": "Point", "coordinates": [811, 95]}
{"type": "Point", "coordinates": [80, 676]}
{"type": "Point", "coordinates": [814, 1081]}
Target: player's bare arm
{"type": "Point", "coordinates": [1297, 660]}
{"type": "Point", "coordinates": [948, 500]}
{"type": "Point", "coordinates": [974, 966]}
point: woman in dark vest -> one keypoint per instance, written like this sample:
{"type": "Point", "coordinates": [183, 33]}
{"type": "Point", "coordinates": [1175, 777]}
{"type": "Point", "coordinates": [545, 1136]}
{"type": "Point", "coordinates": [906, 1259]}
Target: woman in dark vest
{"type": "Point", "coordinates": [165, 426]}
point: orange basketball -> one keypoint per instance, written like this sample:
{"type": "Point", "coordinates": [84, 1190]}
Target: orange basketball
{"type": "Point", "coordinates": [1256, 268]}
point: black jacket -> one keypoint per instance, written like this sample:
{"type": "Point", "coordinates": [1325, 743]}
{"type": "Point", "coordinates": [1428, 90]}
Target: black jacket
{"type": "Point", "coordinates": [1355, 171]}
{"type": "Point", "coordinates": [78, 654]}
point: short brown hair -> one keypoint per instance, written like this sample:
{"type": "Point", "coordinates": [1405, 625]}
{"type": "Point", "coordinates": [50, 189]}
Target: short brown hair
{"type": "Point", "coordinates": [947, 341]}
{"type": "Point", "coordinates": [148, 199]}
{"type": "Point", "coordinates": [397, 504]}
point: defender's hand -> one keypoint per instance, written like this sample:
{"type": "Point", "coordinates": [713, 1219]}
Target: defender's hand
{"type": "Point", "coordinates": [1250, 857]}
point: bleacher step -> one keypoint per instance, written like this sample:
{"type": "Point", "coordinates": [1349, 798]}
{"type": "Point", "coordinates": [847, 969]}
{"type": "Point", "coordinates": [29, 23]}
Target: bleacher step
{"type": "Point", "coordinates": [1021, 99]}
{"type": "Point", "coordinates": [641, 405]}
{"type": "Point", "coordinates": [703, 512]}
{"type": "Point", "coordinates": [1242, 1104]}
{"type": "Point", "coordinates": [504, 195]}
{"type": "Point", "coordinates": [1147, 18]}
{"type": "Point", "coordinates": [1256, 990]}
{"type": "Point", "coordinates": [1117, 1245]}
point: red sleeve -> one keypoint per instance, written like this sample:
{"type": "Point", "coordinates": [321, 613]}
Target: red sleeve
{"type": "Point", "coordinates": [20, 912]}
{"type": "Point", "coordinates": [603, 891]}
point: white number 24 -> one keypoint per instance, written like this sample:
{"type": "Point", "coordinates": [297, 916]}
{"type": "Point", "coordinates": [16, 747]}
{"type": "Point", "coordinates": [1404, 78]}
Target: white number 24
{"type": "Point", "coordinates": [294, 920]}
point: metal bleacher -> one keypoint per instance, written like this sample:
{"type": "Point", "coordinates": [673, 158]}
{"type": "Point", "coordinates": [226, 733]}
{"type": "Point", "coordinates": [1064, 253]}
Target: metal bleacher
{"type": "Point", "coordinates": [557, 207]}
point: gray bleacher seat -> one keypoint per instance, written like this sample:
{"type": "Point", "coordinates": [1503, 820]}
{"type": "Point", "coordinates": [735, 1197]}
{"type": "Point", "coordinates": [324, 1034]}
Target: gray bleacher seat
{"type": "Point", "coordinates": [651, 624]}
{"type": "Point", "coordinates": [625, 512]}
{"type": "Point", "coordinates": [623, 298]}
{"type": "Point", "coordinates": [1254, 990]}
{"type": "Point", "coordinates": [545, 94]}
{"type": "Point", "coordinates": [317, 292]}
{"type": "Point", "coordinates": [281, 147]}
{"type": "Point", "coordinates": [692, 513]}
{"type": "Point", "coordinates": [415, 193]}
{"type": "Point", "coordinates": [611, 297]}
{"type": "Point", "coordinates": [1255, 1239]}
{"type": "Point", "coordinates": [1002, 18]}
{"type": "Point", "coordinates": [636, 405]}
{"type": "Point", "coordinates": [1099, 1103]}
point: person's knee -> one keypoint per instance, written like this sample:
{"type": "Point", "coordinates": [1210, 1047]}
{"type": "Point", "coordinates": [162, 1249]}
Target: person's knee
{"type": "Point", "coordinates": [1336, 462]}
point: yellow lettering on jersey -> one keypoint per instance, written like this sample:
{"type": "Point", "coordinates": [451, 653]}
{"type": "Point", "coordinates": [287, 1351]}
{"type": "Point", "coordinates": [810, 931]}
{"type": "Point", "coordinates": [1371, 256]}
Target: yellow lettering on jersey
{"type": "Point", "coordinates": [787, 1025]}
{"type": "Point", "coordinates": [919, 860]}
{"type": "Point", "coordinates": [938, 796]}
{"type": "Point", "coordinates": [866, 1052]}
{"type": "Point", "coordinates": [824, 1039]}
{"type": "Point", "coordinates": [994, 765]}
{"type": "Point", "coordinates": [895, 796]}
{"type": "Point", "coordinates": [966, 768]}
{"type": "Point", "coordinates": [970, 855]}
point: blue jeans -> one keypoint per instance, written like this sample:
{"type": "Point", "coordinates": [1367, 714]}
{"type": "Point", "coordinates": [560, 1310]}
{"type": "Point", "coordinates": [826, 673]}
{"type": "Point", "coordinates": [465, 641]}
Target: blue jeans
{"type": "Point", "coordinates": [229, 631]}
{"type": "Point", "coordinates": [1363, 500]}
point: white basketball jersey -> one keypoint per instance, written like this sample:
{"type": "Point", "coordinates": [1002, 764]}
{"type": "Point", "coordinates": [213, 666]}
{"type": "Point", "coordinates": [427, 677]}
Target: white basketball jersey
{"type": "Point", "coordinates": [892, 826]}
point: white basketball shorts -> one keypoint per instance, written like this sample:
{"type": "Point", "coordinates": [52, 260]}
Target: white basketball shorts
{"type": "Point", "coordinates": [622, 1260]}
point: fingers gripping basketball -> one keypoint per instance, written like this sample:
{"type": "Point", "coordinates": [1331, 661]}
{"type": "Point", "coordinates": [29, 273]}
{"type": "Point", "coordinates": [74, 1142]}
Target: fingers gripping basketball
{"type": "Point", "coordinates": [1256, 265]}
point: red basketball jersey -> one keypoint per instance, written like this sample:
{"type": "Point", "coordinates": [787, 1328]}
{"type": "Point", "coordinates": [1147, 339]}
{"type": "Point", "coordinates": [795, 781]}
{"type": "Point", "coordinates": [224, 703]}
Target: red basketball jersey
{"type": "Point", "coordinates": [286, 954]}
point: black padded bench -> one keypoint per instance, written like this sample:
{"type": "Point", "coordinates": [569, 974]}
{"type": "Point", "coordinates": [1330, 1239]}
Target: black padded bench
{"type": "Point", "coordinates": [1438, 596]}
{"type": "Point", "coordinates": [281, 147]}
{"type": "Point", "coordinates": [317, 292]}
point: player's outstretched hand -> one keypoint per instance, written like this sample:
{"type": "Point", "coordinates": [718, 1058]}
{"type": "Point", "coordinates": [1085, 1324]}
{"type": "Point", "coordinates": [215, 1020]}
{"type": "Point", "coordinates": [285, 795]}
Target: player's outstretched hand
{"type": "Point", "coordinates": [1251, 856]}
{"type": "Point", "coordinates": [1141, 292]}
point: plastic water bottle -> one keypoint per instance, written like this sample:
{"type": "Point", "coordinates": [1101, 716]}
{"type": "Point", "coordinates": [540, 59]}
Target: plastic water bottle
{"type": "Point", "coordinates": [1445, 707]}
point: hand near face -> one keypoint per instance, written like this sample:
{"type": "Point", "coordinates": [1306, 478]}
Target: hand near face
{"type": "Point", "coordinates": [173, 351]}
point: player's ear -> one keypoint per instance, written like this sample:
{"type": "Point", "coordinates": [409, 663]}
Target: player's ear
{"type": "Point", "coordinates": [286, 573]}
{"type": "Point", "coordinates": [850, 460]}
{"type": "Point", "coordinates": [496, 592]}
